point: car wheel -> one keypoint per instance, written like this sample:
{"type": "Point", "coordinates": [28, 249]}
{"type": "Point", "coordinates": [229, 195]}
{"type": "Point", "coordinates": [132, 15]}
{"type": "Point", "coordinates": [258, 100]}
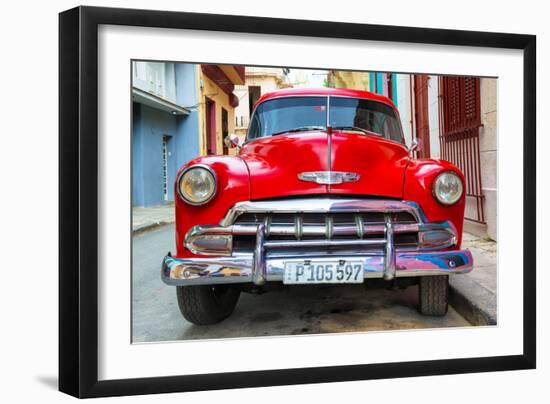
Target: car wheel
{"type": "Point", "coordinates": [433, 295]}
{"type": "Point", "coordinates": [203, 305]}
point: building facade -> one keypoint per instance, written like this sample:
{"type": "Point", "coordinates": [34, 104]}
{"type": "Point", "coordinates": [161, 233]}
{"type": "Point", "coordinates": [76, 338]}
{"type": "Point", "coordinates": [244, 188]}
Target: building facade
{"type": "Point", "coordinates": [258, 81]}
{"type": "Point", "coordinates": [455, 119]}
{"type": "Point", "coordinates": [376, 82]}
{"type": "Point", "coordinates": [179, 111]}
{"type": "Point", "coordinates": [217, 105]}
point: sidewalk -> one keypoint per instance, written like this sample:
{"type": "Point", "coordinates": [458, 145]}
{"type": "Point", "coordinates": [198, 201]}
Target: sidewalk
{"type": "Point", "coordinates": [144, 219]}
{"type": "Point", "coordinates": [474, 295]}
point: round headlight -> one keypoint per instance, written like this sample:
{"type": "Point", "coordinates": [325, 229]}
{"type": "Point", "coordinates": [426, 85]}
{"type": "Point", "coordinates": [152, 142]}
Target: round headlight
{"type": "Point", "coordinates": [197, 185]}
{"type": "Point", "coordinates": [448, 188]}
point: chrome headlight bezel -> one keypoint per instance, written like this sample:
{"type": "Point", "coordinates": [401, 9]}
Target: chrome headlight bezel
{"type": "Point", "coordinates": [437, 183]}
{"type": "Point", "coordinates": [187, 171]}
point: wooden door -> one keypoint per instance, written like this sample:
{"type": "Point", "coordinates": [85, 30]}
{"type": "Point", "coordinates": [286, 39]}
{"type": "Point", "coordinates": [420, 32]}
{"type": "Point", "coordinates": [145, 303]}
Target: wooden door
{"type": "Point", "coordinates": [421, 117]}
{"type": "Point", "coordinates": [210, 121]}
{"type": "Point", "coordinates": [225, 129]}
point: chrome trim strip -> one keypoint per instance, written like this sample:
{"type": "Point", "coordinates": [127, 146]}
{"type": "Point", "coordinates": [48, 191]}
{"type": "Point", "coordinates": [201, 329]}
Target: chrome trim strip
{"type": "Point", "coordinates": [423, 231]}
{"type": "Point", "coordinates": [323, 205]}
{"type": "Point", "coordinates": [323, 243]}
{"type": "Point", "coordinates": [329, 142]}
{"type": "Point", "coordinates": [359, 226]}
{"type": "Point", "coordinates": [389, 256]}
{"type": "Point", "coordinates": [267, 224]}
{"type": "Point", "coordinates": [316, 230]}
{"type": "Point", "coordinates": [329, 224]}
{"type": "Point", "coordinates": [298, 225]}
{"type": "Point", "coordinates": [238, 269]}
{"type": "Point", "coordinates": [258, 271]}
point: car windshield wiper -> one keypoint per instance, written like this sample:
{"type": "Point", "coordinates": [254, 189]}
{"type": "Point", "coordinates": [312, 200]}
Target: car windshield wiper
{"type": "Point", "coordinates": [356, 128]}
{"type": "Point", "coordinates": [300, 129]}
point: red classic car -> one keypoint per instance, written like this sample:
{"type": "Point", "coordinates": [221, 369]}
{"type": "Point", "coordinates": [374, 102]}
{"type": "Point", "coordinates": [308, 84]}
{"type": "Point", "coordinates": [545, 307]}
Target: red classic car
{"type": "Point", "coordinates": [323, 190]}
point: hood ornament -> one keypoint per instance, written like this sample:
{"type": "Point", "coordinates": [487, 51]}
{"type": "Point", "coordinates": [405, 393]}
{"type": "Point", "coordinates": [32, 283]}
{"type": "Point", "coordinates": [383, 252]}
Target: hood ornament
{"type": "Point", "coordinates": [328, 177]}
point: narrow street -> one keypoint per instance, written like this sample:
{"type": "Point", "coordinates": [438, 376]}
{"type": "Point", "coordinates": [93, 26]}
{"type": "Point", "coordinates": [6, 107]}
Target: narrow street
{"type": "Point", "coordinates": [288, 311]}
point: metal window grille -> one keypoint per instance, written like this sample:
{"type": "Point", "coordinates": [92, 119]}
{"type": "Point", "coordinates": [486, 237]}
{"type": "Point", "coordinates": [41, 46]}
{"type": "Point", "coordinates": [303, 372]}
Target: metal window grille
{"type": "Point", "coordinates": [460, 120]}
{"type": "Point", "coordinates": [165, 168]}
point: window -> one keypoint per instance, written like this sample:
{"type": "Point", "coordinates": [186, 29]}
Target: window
{"type": "Point", "coordinates": [372, 116]}
{"type": "Point", "coordinates": [288, 114]}
{"type": "Point", "coordinates": [293, 114]}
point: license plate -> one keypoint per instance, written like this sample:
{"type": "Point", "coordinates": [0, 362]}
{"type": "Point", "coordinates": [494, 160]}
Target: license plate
{"type": "Point", "coordinates": [300, 272]}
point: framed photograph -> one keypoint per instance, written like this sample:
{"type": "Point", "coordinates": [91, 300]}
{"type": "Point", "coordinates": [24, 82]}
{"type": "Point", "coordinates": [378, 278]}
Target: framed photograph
{"type": "Point", "coordinates": [251, 201]}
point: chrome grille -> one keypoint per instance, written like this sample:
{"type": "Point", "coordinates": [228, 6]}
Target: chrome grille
{"type": "Point", "coordinates": [347, 229]}
{"type": "Point", "coordinates": [323, 226]}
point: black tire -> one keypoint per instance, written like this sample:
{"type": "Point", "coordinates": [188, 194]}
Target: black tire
{"type": "Point", "coordinates": [204, 305]}
{"type": "Point", "coordinates": [433, 295]}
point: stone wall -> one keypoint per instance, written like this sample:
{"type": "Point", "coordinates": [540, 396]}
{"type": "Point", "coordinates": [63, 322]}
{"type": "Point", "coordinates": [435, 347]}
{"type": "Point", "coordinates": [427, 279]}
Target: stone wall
{"type": "Point", "coordinates": [488, 149]}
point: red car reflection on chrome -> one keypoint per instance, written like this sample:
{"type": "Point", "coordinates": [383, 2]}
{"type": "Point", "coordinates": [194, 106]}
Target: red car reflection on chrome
{"type": "Point", "coordinates": [323, 190]}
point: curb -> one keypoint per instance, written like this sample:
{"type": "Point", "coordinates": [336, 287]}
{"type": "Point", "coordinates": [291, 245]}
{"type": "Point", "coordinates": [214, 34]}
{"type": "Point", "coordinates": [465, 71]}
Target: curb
{"type": "Point", "coordinates": [475, 303]}
{"type": "Point", "coordinates": [149, 226]}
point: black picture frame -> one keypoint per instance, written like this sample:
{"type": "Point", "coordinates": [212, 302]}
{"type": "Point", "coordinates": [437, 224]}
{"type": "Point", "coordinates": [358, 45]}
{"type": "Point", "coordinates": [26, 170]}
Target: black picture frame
{"type": "Point", "coordinates": [78, 200]}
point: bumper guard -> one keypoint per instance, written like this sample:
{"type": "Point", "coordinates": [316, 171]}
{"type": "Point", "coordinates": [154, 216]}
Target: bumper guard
{"type": "Point", "coordinates": [267, 262]}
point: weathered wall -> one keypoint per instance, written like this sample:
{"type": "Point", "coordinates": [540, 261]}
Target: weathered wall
{"type": "Point", "coordinates": [433, 115]}
{"type": "Point", "coordinates": [350, 79]}
{"type": "Point", "coordinates": [209, 89]}
{"type": "Point", "coordinates": [404, 102]}
{"type": "Point", "coordinates": [188, 139]}
{"type": "Point", "coordinates": [150, 125]}
{"type": "Point", "coordinates": [488, 148]}
{"type": "Point", "coordinates": [268, 79]}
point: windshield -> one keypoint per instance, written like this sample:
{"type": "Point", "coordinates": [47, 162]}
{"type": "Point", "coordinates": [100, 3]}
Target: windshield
{"type": "Point", "coordinates": [290, 113]}
{"type": "Point", "coordinates": [294, 114]}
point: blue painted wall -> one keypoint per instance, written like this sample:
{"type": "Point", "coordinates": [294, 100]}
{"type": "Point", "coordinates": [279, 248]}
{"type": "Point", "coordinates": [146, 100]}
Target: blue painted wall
{"type": "Point", "coordinates": [372, 82]}
{"type": "Point", "coordinates": [187, 127]}
{"type": "Point", "coordinates": [150, 125]}
{"type": "Point", "coordinates": [394, 90]}
{"type": "Point", "coordinates": [376, 85]}
{"type": "Point", "coordinates": [379, 84]}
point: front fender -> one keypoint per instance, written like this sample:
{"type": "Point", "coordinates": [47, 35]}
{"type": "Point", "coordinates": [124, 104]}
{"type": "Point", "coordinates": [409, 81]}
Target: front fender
{"type": "Point", "coordinates": [233, 185]}
{"type": "Point", "coordinates": [419, 178]}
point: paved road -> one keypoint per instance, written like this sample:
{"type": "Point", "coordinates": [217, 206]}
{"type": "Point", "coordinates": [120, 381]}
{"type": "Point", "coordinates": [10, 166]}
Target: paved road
{"type": "Point", "coordinates": [295, 310]}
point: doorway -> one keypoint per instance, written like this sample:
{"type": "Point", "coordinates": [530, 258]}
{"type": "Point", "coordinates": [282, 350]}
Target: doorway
{"type": "Point", "coordinates": [210, 122]}
{"type": "Point", "coordinates": [165, 169]}
{"type": "Point", "coordinates": [225, 130]}
{"type": "Point", "coordinates": [254, 93]}
{"type": "Point", "coordinates": [421, 114]}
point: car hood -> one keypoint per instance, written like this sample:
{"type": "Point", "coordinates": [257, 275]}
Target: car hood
{"type": "Point", "coordinates": [274, 164]}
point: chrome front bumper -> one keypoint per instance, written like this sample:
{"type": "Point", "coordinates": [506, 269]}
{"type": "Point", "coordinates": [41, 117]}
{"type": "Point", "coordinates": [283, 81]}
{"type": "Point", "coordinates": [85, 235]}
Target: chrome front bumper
{"type": "Point", "coordinates": [266, 263]}
{"type": "Point", "coordinates": [246, 269]}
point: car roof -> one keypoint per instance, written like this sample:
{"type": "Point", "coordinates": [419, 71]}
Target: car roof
{"type": "Point", "coordinates": [342, 92]}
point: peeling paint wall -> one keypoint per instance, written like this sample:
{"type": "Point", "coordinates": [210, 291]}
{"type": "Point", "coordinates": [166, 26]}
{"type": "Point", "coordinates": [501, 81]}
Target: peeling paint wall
{"type": "Point", "coordinates": [488, 148]}
{"type": "Point", "coordinates": [209, 89]}
{"type": "Point", "coordinates": [152, 126]}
